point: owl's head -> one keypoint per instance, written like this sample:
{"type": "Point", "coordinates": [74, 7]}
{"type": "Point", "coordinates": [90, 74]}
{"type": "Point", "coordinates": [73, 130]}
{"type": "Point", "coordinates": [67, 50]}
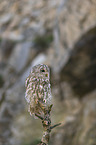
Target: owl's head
{"type": "Point", "coordinates": [41, 71]}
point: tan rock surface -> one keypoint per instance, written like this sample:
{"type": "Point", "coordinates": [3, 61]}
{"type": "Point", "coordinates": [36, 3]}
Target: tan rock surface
{"type": "Point", "coordinates": [61, 34]}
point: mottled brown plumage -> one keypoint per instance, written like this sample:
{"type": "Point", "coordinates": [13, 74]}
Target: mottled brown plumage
{"type": "Point", "coordinates": [38, 91]}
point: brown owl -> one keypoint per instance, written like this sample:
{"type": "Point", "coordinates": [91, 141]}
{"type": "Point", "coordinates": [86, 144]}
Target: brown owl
{"type": "Point", "coordinates": [38, 90]}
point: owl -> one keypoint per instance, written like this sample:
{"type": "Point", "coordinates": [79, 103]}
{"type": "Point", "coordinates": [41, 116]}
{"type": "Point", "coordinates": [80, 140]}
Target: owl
{"type": "Point", "coordinates": [38, 89]}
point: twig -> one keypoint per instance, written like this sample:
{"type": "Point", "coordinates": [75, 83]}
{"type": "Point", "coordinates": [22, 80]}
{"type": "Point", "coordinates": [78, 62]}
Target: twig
{"type": "Point", "coordinates": [46, 122]}
{"type": "Point", "coordinates": [55, 125]}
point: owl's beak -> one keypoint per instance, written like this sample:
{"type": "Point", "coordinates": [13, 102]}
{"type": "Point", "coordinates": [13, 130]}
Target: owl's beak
{"type": "Point", "coordinates": [46, 75]}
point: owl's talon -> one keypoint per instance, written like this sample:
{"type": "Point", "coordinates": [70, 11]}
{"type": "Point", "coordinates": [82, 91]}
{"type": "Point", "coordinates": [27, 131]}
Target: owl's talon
{"type": "Point", "coordinates": [40, 117]}
{"type": "Point", "coordinates": [50, 107]}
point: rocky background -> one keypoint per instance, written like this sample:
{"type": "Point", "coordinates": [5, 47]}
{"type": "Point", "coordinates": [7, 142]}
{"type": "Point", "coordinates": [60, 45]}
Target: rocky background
{"type": "Point", "coordinates": [61, 34]}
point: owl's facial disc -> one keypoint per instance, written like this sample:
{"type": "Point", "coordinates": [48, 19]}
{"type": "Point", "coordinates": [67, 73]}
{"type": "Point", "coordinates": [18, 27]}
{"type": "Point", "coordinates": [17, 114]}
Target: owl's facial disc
{"type": "Point", "coordinates": [41, 70]}
{"type": "Point", "coordinates": [44, 72]}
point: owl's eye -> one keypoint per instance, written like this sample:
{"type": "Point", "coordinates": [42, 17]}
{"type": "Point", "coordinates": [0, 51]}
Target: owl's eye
{"type": "Point", "coordinates": [42, 70]}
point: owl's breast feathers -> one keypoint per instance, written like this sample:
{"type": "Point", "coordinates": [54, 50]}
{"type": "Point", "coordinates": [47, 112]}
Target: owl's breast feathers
{"type": "Point", "coordinates": [41, 86]}
{"type": "Point", "coordinates": [37, 87]}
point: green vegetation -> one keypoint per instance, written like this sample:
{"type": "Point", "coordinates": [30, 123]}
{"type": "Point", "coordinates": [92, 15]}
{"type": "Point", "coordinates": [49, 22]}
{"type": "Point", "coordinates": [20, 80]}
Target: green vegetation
{"type": "Point", "coordinates": [43, 41]}
{"type": "Point", "coordinates": [34, 142]}
{"type": "Point", "coordinates": [0, 39]}
{"type": "Point", "coordinates": [1, 81]}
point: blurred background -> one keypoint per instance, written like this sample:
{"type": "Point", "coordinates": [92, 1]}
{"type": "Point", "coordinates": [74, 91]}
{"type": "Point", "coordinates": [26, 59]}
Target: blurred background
{"type": "Point", "coordinates": [61, 34]}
